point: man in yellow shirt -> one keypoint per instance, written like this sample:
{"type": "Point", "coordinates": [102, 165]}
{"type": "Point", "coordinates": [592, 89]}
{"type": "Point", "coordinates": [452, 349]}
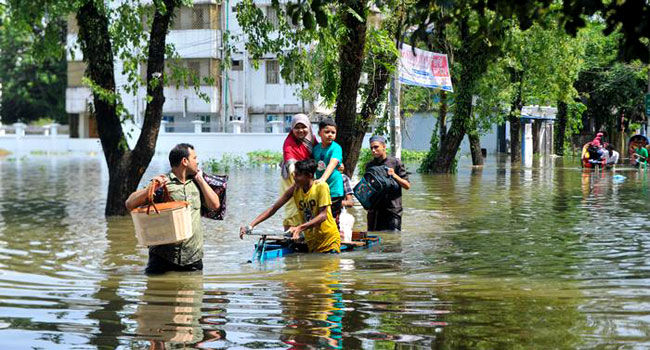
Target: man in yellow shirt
{"type": "Point", "coordinates": [314, 204]}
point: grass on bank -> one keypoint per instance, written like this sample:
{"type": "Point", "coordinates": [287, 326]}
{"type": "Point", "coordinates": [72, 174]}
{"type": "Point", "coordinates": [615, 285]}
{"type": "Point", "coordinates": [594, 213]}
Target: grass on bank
{"type": "Point", "coordinates": [272, 158]}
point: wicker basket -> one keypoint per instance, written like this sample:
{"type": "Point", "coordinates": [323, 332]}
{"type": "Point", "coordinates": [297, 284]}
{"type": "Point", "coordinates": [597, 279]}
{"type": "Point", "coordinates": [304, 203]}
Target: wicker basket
{"type": "Point", "coordinates": [162, 223]}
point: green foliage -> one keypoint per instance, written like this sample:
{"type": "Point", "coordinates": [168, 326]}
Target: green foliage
{"type": "Point", "coordinates": [264, 157]}
{"type": "Point", "coordinates": [542, 62]}
{"type": "Point", "coordinates": [306, 40]}
{"type": "Point", "coordinates": [413, 156]}
{"type": "Point", "coordinates": [226, 162]}
{"type": "Point", "coordinates": [32, 86]}
{"type": "Point", "coordinates": [408, 156]}
{"type": "Point", "coordinates": [608, 88]}
{"type": "Point", "coordinates": [253, 159]}
{"type": "Point", "coordinates": [417, 99]}
{"type": "Point", "coordinates": [575, 110]}
{"type": "Point", "coordinates": [42, 121]}
{"type": "Point", "coordinates": [430, 157]}
{"type": "Point", "coordinates": [629, 18]}
{"type": "Point", "coordinates": [43, 23]}
{"type": "Point", "coordinates": [364, 157]}
{"type": "Point", "coordinates": [610, 92]}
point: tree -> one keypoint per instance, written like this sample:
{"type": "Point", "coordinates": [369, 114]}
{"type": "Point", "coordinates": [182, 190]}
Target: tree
{"type": "Point", "coordinates": [542, 63]}
{"type": "Point", "coordinates": [630, 18]}
{"type": "Point", "coordinates": [612, 92]}
{"type": "Point", "coordinates": [476, 30]}
{"type": "Point", "coordinates": [326, 46]}
{"type": "Point", "coordinates": [107, 32]}
{"type": "Point", "coordinates": [32, 88]}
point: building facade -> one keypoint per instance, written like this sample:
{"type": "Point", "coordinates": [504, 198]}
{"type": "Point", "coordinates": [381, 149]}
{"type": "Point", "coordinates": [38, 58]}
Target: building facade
{"type": "Point", "coordinates": [241, 98]}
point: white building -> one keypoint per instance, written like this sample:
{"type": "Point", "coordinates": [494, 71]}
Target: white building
{"type": "Point", "coordinates": [241, 98]}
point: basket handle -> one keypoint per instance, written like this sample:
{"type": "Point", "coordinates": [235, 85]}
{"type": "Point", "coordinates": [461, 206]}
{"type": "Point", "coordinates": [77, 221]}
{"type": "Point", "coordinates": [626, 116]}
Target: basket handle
{"type": "Point", "coordinates": [153, 187]}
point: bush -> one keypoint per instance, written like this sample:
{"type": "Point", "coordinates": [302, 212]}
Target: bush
{"type": "Point", "coordinates": [264, 157]}
{"type": "Point", "coordinates": [252, 159]}
{"type": "Point", "coordinates": [407, 157]}
{"type": "Point", "coordinates": [42, 121]}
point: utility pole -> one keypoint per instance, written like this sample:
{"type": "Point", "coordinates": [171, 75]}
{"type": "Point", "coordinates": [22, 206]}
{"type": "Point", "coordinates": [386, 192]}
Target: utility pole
{"type": "Point", "coordinates": [394, 93]}
{"type": "Point", "coordinates": [395, 118]}
{"type": "Point", "coordinates": [647, 99]}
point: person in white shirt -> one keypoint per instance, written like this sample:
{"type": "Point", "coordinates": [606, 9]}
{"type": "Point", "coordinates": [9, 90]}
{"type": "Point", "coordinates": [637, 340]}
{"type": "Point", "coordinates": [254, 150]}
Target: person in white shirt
{"type": "Point", "coordinates": [612, 157]}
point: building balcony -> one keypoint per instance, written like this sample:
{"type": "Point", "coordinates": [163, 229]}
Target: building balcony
{"type": "Point", "coordinates": [185, 100]}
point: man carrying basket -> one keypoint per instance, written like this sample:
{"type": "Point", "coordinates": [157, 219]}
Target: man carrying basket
{"type": "Point", "coordinates": [187, 254]}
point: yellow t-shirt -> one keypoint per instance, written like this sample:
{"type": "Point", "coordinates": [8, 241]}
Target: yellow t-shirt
{"type": "Point", "coordinates": [325, 237]}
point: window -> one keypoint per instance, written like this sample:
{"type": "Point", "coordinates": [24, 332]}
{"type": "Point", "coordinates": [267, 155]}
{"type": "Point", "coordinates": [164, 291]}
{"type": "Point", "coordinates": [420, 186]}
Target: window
{"type": "Point", "coordinates": [272, 72]}
{"type": "Point", "coordinates": [236, 65]}
{"type": "Point", "coordinates": [194, 67]}
{"type": "Point", "coordinates": [272, 16]}
{"type": "Point", "coordinates": [170, 123]}
{"type": "Point", "coordinates": [287, 123]}
{"type": "Point", "coordinates": [198, 17]}
{"type": "Point", "coordinates": [206, 120]}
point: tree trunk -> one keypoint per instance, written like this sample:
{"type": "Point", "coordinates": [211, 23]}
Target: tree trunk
{"type": "Point", "coordinates": [445, 161]}
{"type": "Point", "coordinates": [442, 121]}
{"type": "Point", "coordinates": [473, 59]}
{"type": "Point", "coordinates": [370, 105]}
{"type": "Point", "coordinates": [537, 125]}
{"type": "Point", "coordinates": [475, 148]}
{"type": "Point", "coordinates": [125, 167]}
{"type": "Point", "coordinates": [515, 122]}
{"type": "Point", "coordinates": [352, 47]}
{"type": "Point", "coordinates": [560, 128]}
{"type": "Point", "coordinates": [515, 135]}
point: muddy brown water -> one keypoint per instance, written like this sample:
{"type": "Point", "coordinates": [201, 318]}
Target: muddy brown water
{"type": "Point", "coordinates": [547, 257]}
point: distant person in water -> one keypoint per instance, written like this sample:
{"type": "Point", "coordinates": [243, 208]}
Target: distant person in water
{"type": "Point", "coordinates": [598, 140]}
{"type": "Point", "coordinates": [314, 204]}
{"type": "Point", "coordinates": [388, 214]}
{"type": "Point", "coordinates": [641, 156]}
{"type": "Point", "coordinates": [612, 156]}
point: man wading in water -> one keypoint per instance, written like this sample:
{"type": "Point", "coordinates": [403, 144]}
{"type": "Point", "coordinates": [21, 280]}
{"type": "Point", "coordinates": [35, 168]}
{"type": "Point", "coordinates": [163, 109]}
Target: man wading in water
{"type": "Point", "coordinates": [388, 213]}
{"type": "Point", "coordinates": [188, 254]}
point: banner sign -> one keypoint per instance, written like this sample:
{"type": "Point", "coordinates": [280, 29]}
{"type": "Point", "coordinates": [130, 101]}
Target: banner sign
{"type": "Point", "coordinates": [424, 68]}
{"type": "Point", "coordinates": [647, 105]}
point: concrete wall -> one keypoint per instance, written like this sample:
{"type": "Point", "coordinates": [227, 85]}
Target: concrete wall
{"type": "Point", "coordinates": [207, 145]}
{"type": "Point", "coordinates": [417, 130]}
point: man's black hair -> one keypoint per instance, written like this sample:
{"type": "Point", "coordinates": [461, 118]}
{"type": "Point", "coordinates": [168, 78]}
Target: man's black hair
{"type": "Point", "coordinates": [325, 123]}
{"type": "Point", "coordinates": [180, 151]}
{"type": "Point", "coordinates": [306, 167]}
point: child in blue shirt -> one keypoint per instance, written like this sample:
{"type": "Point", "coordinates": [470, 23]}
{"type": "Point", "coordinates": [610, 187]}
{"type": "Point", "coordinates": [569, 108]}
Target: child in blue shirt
{"type": "Point", "coordinates": [329, 154]}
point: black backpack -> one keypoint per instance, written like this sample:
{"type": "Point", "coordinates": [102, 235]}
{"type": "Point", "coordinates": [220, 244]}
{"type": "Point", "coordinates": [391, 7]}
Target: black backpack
{"type": "Point", "coordinates": [375, 187]}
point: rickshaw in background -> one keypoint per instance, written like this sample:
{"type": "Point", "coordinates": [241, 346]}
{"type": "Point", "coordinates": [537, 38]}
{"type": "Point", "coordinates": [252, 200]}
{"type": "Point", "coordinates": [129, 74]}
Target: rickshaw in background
{"type": "Point", "coordinates": [635, 142]}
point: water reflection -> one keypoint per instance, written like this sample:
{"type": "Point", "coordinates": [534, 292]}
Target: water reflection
{"type": "Point", "coordinates": [170, 310]}
{"type": "Point", "coordinates": [314, 309]}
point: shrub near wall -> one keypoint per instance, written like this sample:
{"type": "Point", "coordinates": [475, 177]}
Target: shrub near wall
{"type": "Point", "coordinates": [252, 159]}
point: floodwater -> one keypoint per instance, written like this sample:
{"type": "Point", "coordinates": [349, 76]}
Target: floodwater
{"type": "Point", "coordinates": [548, 257]}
